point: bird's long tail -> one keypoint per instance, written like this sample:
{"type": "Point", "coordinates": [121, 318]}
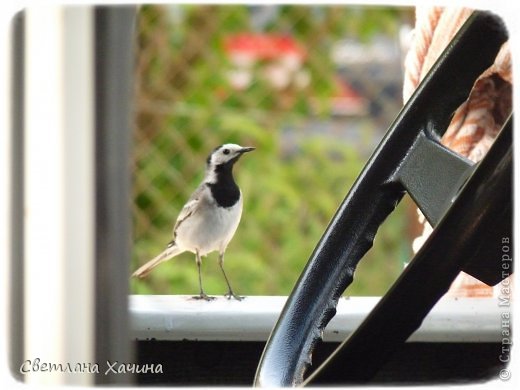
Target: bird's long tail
{"type": "Point", "coordinates": [170, 251]}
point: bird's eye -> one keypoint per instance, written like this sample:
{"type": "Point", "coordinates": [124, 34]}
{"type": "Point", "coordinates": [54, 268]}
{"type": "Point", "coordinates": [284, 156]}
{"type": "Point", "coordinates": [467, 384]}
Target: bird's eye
{"type": "Point", "coordinates": [226, 151]}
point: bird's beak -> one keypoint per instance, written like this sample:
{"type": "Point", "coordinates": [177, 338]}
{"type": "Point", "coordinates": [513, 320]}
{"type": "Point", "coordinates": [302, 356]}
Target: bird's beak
{"type": "Point", "coordinates": [247, 149]}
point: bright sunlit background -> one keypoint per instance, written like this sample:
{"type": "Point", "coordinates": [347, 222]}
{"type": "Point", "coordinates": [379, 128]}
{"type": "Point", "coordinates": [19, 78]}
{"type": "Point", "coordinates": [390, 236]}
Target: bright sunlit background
{"type": "Point", "coordinates": [313, 88]}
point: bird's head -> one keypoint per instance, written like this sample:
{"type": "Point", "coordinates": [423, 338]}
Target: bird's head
{"type": "Point", "coordinates": [227, 154]}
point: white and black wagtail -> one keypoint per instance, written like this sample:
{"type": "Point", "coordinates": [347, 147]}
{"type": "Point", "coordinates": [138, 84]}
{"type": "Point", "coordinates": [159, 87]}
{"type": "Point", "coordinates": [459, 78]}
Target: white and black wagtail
{"type": "Point", "coordinates": [209, 219]}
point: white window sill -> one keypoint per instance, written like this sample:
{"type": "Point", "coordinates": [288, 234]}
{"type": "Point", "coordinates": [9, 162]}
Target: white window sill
{"type": "Point", "coordinates": [178, 317]}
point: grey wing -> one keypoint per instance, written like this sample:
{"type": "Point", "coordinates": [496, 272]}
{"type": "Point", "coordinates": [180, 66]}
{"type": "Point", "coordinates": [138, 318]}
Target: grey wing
{"type": "Point", "coordinates": [189, 208]}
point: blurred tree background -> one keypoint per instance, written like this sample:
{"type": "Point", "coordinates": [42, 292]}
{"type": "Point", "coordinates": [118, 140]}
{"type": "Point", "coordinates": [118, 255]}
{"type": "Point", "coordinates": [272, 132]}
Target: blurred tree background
{"type": "Point", "coordinates": [313, 88]}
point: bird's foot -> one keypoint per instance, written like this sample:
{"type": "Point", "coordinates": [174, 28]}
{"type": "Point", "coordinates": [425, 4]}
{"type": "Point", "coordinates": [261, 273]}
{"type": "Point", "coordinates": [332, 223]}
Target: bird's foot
{"type": "Point", "coordinates": [204, 296]}
{"type": "Point", "coordinates": [231, 294]}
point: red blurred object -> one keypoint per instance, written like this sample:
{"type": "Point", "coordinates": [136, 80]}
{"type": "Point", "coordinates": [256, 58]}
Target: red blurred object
{"type": "Point", "coordinates": [348, 101]}
{"type": "Point", "coordinates": [264, 46]}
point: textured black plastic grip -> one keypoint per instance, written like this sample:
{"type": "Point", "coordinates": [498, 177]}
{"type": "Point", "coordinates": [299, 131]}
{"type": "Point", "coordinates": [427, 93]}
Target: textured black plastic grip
{"type": "Point", "coordinates": [373, 197]}
{"type": "Point", "coordinates": [480, 216]}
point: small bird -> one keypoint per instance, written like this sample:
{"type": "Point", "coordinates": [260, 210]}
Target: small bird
{"type": "Point", "coordinates": [209, 219]}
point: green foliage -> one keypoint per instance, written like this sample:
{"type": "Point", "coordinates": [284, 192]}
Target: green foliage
{"type": "Point", "coordinates": [185, 107]}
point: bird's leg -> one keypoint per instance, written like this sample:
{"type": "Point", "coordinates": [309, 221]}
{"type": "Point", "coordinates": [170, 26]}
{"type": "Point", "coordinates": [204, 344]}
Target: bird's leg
{"type": "Point", "coordinates": [202, 294]}
{"type": "Point", "coordinates": [230, 290]}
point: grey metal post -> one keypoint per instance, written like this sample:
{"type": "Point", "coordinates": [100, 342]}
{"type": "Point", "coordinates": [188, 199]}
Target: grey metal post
{"type": "Point", "coordinates": [16, 298]}
{"type": "Point", "coordinates": [114, 27]}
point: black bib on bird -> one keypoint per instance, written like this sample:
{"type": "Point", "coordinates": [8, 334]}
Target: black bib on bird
{"type": "Point", "coordinates": [225, 190]}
